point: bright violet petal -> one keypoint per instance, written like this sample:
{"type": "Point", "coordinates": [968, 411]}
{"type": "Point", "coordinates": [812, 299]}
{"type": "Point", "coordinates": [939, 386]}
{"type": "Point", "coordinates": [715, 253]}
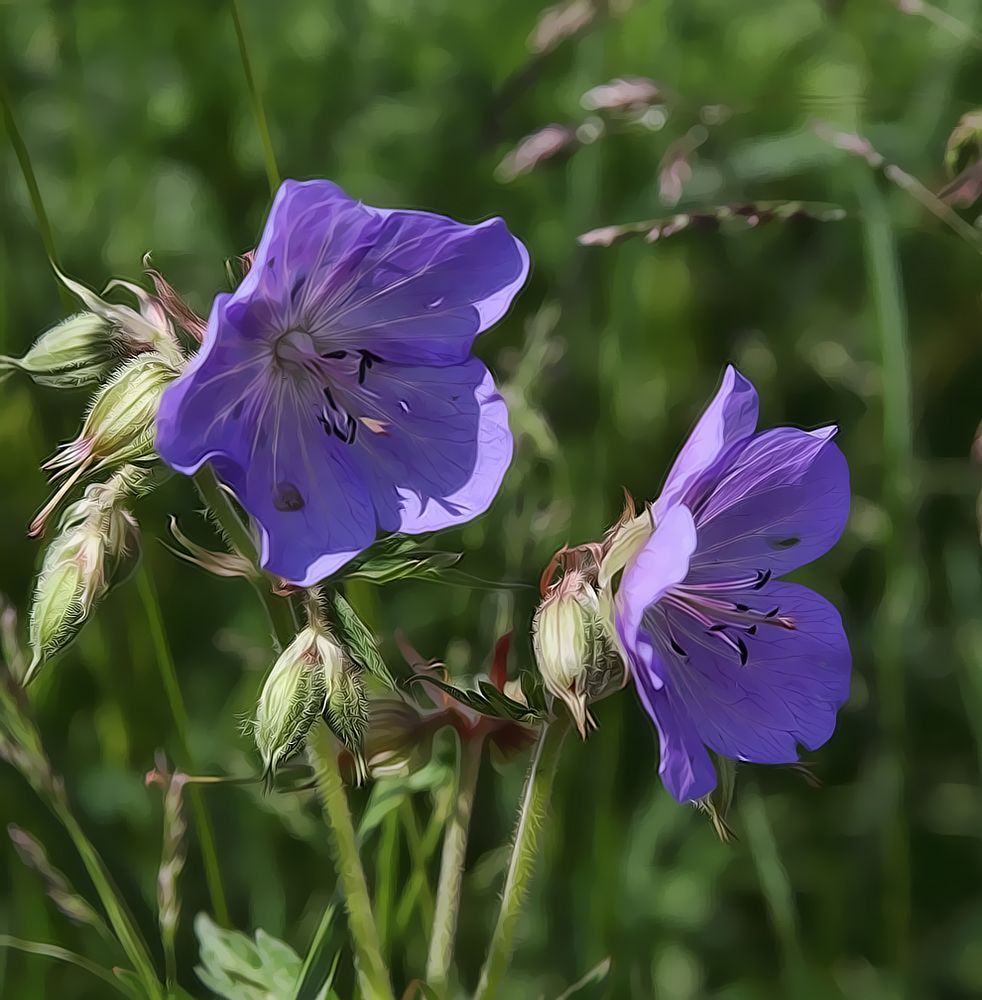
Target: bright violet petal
{"type": "Point", "coordinates": [426, 289]}
{"type": "Point", "coordinates": [202, 414]}
{"type": "Point", "coordinates": [783, 503]}
{"type": "Point", "coordinates": [729, 420]}
{"type": "Point", "coordinates": [788, 692]}
{"type": "Point", "coordinates": [661, 563]}
{"type": "Point", "coordinates": [685, 767]}
{"type": "Point", "coordinates": [436, 444]}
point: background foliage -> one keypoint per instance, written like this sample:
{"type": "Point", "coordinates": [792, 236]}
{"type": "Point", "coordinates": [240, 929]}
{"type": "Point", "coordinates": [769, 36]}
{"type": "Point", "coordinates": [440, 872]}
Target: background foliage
{"type": "Point", "coordinates": [141, 134]}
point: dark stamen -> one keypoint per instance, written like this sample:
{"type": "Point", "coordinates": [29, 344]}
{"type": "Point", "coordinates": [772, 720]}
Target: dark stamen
{"type": "Point", "coordinates": [335, 355]}
{"type": "Point", "coordinates": [772, 612]}
{"type": "Point", "coordinates": [717, 628]}
{"type": "Point", "coordinates": [678, 649]}
{"type": "Point", "coordinates": [752, 630]}
{"type": "Point", "coordinates": [762, 579]}
{"type": "Point", "coordinates": [744, 655]}
{"type": "Point", "coordinates": [352, 427]}
{"type": "Point", "coordinates": [743, 607]}
{"type": "Point", "coordinates": [330, 398]}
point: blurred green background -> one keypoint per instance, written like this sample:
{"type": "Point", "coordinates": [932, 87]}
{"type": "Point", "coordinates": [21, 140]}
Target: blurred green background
{"type": "Point", "coordinates": [141, 134]}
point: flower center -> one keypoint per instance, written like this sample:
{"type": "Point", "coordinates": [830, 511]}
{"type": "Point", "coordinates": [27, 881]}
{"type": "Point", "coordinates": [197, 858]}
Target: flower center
{"type": "Point", "coordinates": [725, 619]}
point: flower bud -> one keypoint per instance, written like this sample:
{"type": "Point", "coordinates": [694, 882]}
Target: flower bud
{"type": "Point", "coordinates": [571, 645]}
{"type": "Point", "coordinates": [964, 146]}
{"type": "Point", "coordinates": [119, 427]}
{"type": "Point", "coordinates": [97, 546]}
{"type": "Point", "coordinates": [399, 738]}
{"type": "Point", "coordinates": [346, 715]}
{"type": "Point", "coordinates": [80, 350]}
{"type": "Point", "coordinates": [296, 692]}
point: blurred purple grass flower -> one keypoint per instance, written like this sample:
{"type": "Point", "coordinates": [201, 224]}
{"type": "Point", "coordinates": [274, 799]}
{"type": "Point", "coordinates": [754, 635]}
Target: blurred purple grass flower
{"type": "Point", "coordinates": [723, 654]}
{"type": "Point", "coordinates": [335, 391]}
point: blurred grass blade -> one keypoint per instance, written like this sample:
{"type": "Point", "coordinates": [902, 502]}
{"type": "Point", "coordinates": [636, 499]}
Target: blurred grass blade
{"type": "Point", "coordinates": [71, 958]}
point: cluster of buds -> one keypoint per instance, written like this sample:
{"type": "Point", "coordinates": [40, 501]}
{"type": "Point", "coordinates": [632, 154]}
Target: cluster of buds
{"type": "Point", "coordinates": [313, 678]}
{"type": "Point", "coordinates": [573, 633]}
{"type": "Point", "coordinates": [118, 428]}
{"type": "Point", "coordinates": [96, 548]}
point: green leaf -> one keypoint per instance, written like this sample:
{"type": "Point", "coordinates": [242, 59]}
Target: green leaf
{"type": "Point", "coordinates": [359, 641]}
{"type": "Point", "coordinates": [487, 700]}
{"type": "Point", "coordinates": [237, 967]}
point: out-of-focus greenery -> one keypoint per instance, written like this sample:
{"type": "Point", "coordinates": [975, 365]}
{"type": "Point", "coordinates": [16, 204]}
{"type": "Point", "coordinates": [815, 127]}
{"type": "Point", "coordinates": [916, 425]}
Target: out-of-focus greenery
{"type": "Point", "coordinates": [140, 129]}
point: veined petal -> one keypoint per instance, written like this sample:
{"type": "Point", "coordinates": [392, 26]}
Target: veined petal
{"type": "Point", "coordinates": [205, 412]}
{"type": "Point", "coordinates": [788, 692]}
{"type": "Point", "coordinates": [729, 420]}
{"type": "Point", "coordinates": [426, 289]}
{"type": "Point", "coordinates": [435, 446]}
{"type": "Point", "coordinates": [783, 502]}
{"type": "Point", "coordinates": [685, 767]}
{"type": "Point", "coordinates": [659, 565]}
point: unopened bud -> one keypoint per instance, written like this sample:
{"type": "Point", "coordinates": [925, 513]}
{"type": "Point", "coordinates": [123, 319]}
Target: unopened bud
{"type": "Point", "coordinates": [295, 694]}
{"type": "Point", "coordinates": [119, 427]}
{"type": "Point", "coordinates": [97, 546]}
{"type": "Point", "coordinates": [347, 715]}
{"type": "Point", "coordinates": [964, 146]}
{"type": "Point", "coordinates": [81, 350]}
{"type": "Point", "coordinates": [571, 645]}
{"type": "Point", "coordinates": [399, 738]}
{"type": "Point", "coordinates": [146, 328]}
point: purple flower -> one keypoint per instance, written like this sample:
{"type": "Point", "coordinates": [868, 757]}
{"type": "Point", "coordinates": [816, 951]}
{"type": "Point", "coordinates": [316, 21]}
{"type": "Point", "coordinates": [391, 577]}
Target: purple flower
{"type": "Point", "coordinates": [723, 653]}
{"type": "Point", "coordinates": [335, 391]}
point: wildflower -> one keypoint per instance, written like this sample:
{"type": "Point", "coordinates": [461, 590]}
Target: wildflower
{"type": "Point", "coordinates": [335, 391]}
{"type": "Point", "coordinates": [724, 655]}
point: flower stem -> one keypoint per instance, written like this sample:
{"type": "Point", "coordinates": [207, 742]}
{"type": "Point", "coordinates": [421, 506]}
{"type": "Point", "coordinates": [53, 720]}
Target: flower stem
{"type": "Point", "coordinates": [168, 674]}
{"type": "Point", "coordinates": [350, 871]}
{"type": "Point", "coordinates": [33, 190]}
{"type": "Point", "coordinates": [531, 819]}
{"type": "Point", "coordinates": [269, 157]}
{"type": "Point", "coordinates": [452, 867]}
{"type": "Point", "coordinates": [361, 922]}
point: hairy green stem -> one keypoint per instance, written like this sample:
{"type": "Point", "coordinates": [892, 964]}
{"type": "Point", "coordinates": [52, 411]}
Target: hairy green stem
{"type": "Point", "coordinates": [531, 819]}
{"type": "Point", "coordinates": [452, 867]}
{"type": "Point", "coordinates": [168, 674]}
{"type": "Point", "coordinates": [372, 972]}
{"type": "Point", "coordinates": [269, 157]}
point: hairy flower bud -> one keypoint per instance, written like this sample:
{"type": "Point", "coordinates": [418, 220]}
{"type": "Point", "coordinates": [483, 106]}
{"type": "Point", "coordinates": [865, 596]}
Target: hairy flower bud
{"type": "Point", "coordinates": [571, 644]}
{"type": "Point", "coordinates": [81, 350]}
{"type": "Point", "coordinates": [119, 427]}
{"type": "Point", "coordinates": [347, 715]}
{"type": "Point", "coordinates": [97, 546]}
{"type": "Point", "coordinates": [296, 693]}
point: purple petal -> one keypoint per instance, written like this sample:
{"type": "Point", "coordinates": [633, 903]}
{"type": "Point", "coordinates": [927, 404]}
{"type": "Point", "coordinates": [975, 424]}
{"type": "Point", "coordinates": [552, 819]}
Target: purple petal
{"type": "Point", "coordinates": [660, 564]}
{"type": "Point", "coordinates": [789, 691]}
{"type": "Point", "coordinates": [783, 503]}
{"type": "Point", "coordinates": [444, 448]}
{"type": "Point", "coordinates": [685, 766]}
{"type": "Point", "coordinates": [426, 289]}
{"type": "Point", "coordinates": [729, 420]}
{"type": "Point", "coordinates": [200, 414]}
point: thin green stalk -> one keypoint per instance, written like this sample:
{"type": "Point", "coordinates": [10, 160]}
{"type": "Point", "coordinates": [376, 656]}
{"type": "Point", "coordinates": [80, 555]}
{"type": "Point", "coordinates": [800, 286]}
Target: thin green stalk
{"type": "Point", "coordinates": [386, 879]}
{"type": "Point", "coordinates": [531, 820]}
{"type": "Point", "coordinates": [452, 867]}
{"type": "Point", "coordinates": [279, 610]}
{"type": "Point", "coordinates": [417, 889]}
{"type": "Point", "coordinates": [168, 674]}
{"type": "Point", "coordinates": [269, 157]}
{"type": "Point", "coordinates": [64, 955]}
{"type": "Point", "coordinates": [317, 961]}
{"type": "Point", "coordinates": [775, 887]}
{"type": "Point", "coordinates": [372, 972]}
{"type": "Point", "coordinates": [123, 925]}
{"type": "Point", "coordinates": [899, 607]}
{"type": "Point", "coordinates": [33, 190]}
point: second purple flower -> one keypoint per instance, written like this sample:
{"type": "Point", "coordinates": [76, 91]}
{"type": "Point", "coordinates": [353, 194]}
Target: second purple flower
{"type": "Point", "coordinates": [335, 391]}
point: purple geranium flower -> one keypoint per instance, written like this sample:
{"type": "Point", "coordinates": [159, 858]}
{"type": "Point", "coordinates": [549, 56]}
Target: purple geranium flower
{"type": "Point", "coordinates": [335, 391]}
{"type": "Point", "coordinates": [724, 655]}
